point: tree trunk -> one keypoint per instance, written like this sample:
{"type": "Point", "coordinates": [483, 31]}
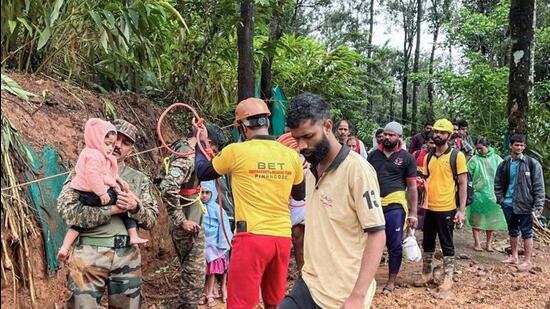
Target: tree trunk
{"type": "Point", "coordinates": [404, 94]}
{"type": "Point", "coordinates": [415, 67]}
{"type": "Point", "coordinates": [431, 68]}
{"type": "Point", "coordinates": [274, 35]}
{"type": "Point", "coordinates": [522, 30]}
{"type": "Point", "coordinates": [392, 109]}
{"type": "Point", "coordinates": [370, 104]}
{"type": "Point", "coordinates": [245, 48]}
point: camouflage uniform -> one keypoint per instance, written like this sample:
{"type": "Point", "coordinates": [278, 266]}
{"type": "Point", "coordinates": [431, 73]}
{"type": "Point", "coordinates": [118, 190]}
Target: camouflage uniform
{"type": "Point", "coordinates": [92, 267]}
{"type": "Point", "coordinates": [189, 247]}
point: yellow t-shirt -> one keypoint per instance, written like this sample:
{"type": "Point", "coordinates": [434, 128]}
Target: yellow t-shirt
{"type": "Point", "coordinates": [262, 175]}
{"type": "Point", "coordinates": [342, 208]}
{"type": "Point", "coordinates": [441, 195]}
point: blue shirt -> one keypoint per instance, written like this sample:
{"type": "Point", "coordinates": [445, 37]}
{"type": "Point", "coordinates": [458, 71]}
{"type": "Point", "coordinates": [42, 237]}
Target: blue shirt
{"type": "Point", "coordinates": [512, 184]}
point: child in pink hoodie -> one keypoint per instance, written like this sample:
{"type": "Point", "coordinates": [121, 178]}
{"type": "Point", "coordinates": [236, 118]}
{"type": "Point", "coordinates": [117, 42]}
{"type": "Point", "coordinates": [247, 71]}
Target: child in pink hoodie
{"type": "Point", "coordinates": [97, 179]}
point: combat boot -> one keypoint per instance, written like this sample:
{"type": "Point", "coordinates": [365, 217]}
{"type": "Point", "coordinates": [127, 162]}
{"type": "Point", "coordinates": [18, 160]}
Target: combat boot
{"type": "Point", "coordinates": [449, 265]}
{"type": "Point", "coordinates": [426, 276]}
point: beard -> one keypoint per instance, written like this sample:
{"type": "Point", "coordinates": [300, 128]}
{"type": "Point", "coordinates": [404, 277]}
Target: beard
{"type": "Point", "coordinates": [438, 141]}
{"type": "Point", "coordinates": [389, 145]}
{"type": "Point", "coordinates": [318, 153]}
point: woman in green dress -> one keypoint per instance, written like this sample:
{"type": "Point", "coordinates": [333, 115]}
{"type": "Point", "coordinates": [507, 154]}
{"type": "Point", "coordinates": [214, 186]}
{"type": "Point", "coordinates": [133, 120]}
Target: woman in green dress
{"type": "Point", "coordinates": [484, 214]}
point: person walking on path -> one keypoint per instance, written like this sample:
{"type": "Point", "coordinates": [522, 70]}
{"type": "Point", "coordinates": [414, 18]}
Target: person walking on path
{"type": "Point", "coordinates": [344, 130]}
{"type": "Point", "coordinates": [519, 189]}
{"type": "Point", "coordinates": [484, 214]}
{"type": "Point", "coordinates": [419, 139]}
{"type": "Point", "coordinates": [396, 171]}
{"type": "Point", "coordinates": [180, 190]}
{"type": "Point", "coordinates": [442, 211]}
{"type": "Point", "coordinates": [345, 232]}
{"type": "Point", "coordinates": [264, 174]}
{"type": "Point", "coordinates": [103, 257]}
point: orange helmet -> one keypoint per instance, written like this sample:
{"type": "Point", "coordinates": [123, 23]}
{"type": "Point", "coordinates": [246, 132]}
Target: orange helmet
{"type": "Point", "coordinates": [250, 107]}
{"type": "Point", "coordinates": [289, 141]}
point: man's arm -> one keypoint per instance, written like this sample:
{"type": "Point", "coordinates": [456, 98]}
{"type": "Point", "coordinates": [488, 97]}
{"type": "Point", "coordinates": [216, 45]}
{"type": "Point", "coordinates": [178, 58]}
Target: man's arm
{"type": "Point", "coordinates": [203, 167]}
{"type": "Point", "coordinates": [538, 186]}
{"type": "Point", "coordinates": [146, 211]}
{"type": "Point", "coordinates": [180, 172]}
{"type": "Point", "coordinates": [77, 214]}
{"type": "Point", "coordinates": [462, 196]}
{"type": "Point", "coordinates": [499, 185]}
{"type": "Point", "coordinates": [376, 241]}
{"type": "Point", "coordinates": [412, 201]}
{"type": "Point", "coordinates": [299, 191]}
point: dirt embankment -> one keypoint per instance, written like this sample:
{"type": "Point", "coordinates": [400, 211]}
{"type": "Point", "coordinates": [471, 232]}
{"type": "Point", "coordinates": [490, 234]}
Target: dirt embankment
{"type": "Point", "coordinates": [57, 119]}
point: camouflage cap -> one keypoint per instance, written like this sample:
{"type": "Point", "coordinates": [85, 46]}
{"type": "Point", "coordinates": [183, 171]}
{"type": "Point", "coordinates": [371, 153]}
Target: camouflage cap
{"type": "Point", "coordinates": [126, 128]}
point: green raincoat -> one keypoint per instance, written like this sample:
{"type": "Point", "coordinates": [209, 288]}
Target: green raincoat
{"type": "Point", "coordinates": [484, 213]}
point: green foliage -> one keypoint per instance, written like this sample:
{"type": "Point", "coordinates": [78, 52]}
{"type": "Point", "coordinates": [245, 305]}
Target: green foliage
{"type": "Point", "coordinates": [13, 87]}
{"type": "Point", "coordinates": [478, 95]}
{"type": "Point", "coordinates": [112, 44]}
{"type": "Point", "coordinates": [483, 32]}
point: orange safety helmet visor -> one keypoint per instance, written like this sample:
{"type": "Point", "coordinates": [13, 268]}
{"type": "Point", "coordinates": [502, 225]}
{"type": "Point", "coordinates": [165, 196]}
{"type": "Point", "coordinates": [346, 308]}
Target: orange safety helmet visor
{"type": "Point", "coordinates": [250, 107]}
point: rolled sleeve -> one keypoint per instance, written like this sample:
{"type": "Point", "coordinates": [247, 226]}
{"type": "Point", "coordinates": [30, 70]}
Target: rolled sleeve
{"type": "Point", "coordinates": [75, 213]}
{"type": "Point", "coordinates": [148, 211]}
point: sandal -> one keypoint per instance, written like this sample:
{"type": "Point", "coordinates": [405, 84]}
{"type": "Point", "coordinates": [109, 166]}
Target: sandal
{"type": "Point", "coordinates": [211, 303]}
{"type": "Point", "coordinates": [387, 291]}
{"type": "Point", "coordinates": [202, 299]}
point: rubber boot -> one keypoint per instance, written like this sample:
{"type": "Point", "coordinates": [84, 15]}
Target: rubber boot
{"type": "Point", "coordinates": [449, 265]}
{"type": "Point", "coordinates": [426, 276]}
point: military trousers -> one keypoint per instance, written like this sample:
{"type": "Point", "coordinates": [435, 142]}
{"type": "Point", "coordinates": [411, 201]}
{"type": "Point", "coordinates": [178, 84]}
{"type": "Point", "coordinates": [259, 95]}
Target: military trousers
{"type": "Point", "coordinates": [191, 253]}
{"type": "Point", "coordinates": [94, 268]}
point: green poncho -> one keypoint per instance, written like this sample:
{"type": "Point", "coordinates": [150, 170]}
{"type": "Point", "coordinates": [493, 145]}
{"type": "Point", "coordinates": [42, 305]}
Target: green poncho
{"type": "Point", "coordinates": [484, 213]}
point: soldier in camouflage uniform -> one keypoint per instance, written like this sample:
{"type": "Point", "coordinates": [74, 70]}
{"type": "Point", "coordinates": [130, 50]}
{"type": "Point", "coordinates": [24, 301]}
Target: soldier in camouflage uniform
{"type": "Point", "coordinates": [102, 256]}
{"type": "Point", "coordinates": [181, 194]}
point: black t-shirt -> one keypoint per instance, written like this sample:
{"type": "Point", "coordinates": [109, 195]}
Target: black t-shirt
{"type": "Point", "coordinates": [393, 171]}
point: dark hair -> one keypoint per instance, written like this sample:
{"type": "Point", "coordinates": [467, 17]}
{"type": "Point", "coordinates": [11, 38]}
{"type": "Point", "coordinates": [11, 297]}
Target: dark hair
{"type": "Point", "coordinates": [517, 138]}
{"type": "Point", "coordinates": [350, 125]}
{"type": "Point", "coordinates": [216, 135]}
{"type": "Point", "coordinates": [428, 123]}
{"type": "Point", "coordinates": [304, 107]}
{"type": "Point", "coordinates": [462, 123]}
{"type": "Point", "coordinates": [483, 141]}
{"type": "Point", "coordinates": [110, 133]}
{"type": "Point", "coordinates": [379, 131]}
{"type": "Point", "coordinates": [430, 135]}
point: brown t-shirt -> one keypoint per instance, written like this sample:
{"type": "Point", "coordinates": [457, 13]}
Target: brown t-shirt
{"type": "Point", "coordinates": [343, 206]}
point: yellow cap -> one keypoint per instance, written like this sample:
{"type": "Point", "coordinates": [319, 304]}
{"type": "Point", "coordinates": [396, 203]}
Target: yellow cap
{"type": "Point", "coordinates": [443, 125]}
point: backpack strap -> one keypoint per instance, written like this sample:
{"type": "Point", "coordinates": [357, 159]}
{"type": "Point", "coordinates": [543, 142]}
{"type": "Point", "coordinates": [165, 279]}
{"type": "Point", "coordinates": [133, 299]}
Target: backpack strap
{"type": "Point", "coordinates": [430, 155]}
{"type": "Point", "coordinates": [454, 155]}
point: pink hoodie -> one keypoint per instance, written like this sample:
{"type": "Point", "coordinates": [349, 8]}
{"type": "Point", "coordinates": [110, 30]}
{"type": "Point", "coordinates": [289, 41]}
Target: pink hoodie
{"type": "Point", "coordinates": [96, 171]}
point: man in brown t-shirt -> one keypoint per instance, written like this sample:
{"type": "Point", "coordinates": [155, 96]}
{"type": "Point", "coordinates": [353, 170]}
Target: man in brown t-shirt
{"type": "Point", "coordinates": [344, 243]}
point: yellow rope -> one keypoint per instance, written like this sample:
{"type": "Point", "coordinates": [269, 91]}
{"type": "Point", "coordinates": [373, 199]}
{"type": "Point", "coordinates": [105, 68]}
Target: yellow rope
{"type": "Point", "coordinates": [197, 199]}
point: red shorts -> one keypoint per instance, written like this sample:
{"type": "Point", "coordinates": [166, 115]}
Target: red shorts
{"type": "Point", "coordinates": [257, 261]}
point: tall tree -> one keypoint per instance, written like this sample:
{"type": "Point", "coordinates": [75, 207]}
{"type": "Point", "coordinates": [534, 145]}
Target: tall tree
{"type": "Point", "coordinates": [522, 31]}
{"type": "Point", "coordinates": [405, 12]}
{"type": "Point", "coordinates": [370, 105]}
{"type": "Point", "coordinates": [245, 48]}
{"type": "Point", "coordinates": [438, 14]}
{"type": "Point", "coordinates": [275, 32]}
{"type": "Point", "coordinates": [415, 65]}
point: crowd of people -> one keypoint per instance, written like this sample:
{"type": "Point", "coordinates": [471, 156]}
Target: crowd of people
{"type": "Point", "coordinates": [315, 191]}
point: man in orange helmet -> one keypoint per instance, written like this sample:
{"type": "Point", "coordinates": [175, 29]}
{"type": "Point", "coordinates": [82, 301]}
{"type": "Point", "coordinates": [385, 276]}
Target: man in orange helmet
{"type": "Point", "coordinates": [265, 173]}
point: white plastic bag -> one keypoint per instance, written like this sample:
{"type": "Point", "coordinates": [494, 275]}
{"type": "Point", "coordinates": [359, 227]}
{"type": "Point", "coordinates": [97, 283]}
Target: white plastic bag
{"type": "Point", "coordinates": [411, 250]}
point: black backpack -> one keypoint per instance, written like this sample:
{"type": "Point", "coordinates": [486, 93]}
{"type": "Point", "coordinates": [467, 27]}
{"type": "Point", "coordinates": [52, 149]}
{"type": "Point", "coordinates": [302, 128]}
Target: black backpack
{"type": "Point", "coordinates": [469, 187]}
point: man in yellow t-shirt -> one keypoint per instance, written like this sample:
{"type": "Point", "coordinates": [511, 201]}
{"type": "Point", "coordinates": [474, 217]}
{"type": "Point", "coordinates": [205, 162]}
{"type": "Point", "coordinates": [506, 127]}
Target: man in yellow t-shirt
{"type": "Point", "coordinates": [345, 231]}
{"type": "Point", "coordinates": [442, 211]}
{"type": "Point", "coordinates": [264, 174]}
